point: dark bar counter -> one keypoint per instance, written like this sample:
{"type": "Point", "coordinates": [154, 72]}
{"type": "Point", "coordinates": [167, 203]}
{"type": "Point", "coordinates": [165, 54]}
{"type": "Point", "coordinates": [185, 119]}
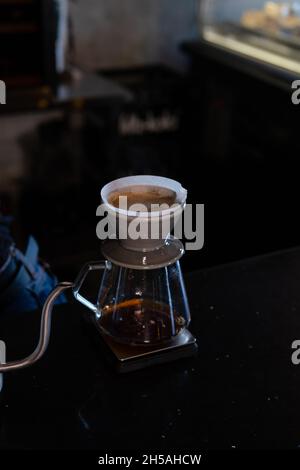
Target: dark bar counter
{"type": "Point", "coordinates": [257, 69]}
{"type": "Point", "coordinates": [240, 392]}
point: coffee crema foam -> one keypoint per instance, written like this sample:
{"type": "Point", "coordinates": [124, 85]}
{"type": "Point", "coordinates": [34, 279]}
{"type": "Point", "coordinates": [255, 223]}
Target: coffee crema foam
{"type": "Point", "coordinates": [143, 194]}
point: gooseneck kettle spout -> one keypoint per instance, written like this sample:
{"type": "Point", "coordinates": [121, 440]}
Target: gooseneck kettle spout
{"type": "Point", "coordinates": [46, 316]}
{"type": "Point", "coordinates": [45, 330]}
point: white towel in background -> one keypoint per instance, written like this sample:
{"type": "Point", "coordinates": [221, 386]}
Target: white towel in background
{"type": "Point", "coordinates": [62, 35]}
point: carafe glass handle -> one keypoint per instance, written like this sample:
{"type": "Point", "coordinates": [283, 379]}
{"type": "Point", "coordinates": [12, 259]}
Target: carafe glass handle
{"type": "Point", "coordinates": [87, 268]}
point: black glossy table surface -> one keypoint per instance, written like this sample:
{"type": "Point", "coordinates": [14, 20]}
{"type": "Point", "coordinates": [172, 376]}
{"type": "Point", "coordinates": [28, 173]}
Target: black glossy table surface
{"type": "Point", "coordinates": [242, 391]}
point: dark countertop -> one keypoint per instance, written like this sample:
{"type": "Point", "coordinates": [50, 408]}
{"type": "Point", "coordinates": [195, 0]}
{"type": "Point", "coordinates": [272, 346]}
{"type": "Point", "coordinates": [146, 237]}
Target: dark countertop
{"type": "Point", "coordinates": [240, 392]}
{"type": "Point", "coordinates": [85, 89]}
{"type": "Point", "coordinates": [258, 69]}
{"type": "Point", "coordinates": [91, 86]}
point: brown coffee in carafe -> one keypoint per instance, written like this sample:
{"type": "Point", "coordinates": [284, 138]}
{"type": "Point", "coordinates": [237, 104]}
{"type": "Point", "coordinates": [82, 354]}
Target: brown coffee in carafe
{"type": "Point", "coordinates": [143, 321]}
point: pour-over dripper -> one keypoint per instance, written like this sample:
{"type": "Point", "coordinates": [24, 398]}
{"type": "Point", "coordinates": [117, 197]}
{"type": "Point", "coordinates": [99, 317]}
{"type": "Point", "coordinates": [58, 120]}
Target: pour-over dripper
{"type": "Point", "coordinates": [154, 227]}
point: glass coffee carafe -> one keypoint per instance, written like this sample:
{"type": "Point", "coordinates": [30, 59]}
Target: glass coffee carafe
{"type": "Point", "coordinates": [139, 307]}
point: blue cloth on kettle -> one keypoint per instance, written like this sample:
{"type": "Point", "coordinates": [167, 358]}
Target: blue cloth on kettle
{"type": "Point", "coordinates": [25, 282]}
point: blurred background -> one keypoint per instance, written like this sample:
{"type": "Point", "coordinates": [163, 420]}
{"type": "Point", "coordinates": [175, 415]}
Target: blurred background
{"type": "Point", "coordinates": [198, 91]}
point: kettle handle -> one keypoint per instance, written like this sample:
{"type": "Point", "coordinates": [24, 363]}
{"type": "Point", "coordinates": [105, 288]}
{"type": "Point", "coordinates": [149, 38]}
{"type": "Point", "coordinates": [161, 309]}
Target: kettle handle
{"type": "Point", "coordinates": [87, 268]}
